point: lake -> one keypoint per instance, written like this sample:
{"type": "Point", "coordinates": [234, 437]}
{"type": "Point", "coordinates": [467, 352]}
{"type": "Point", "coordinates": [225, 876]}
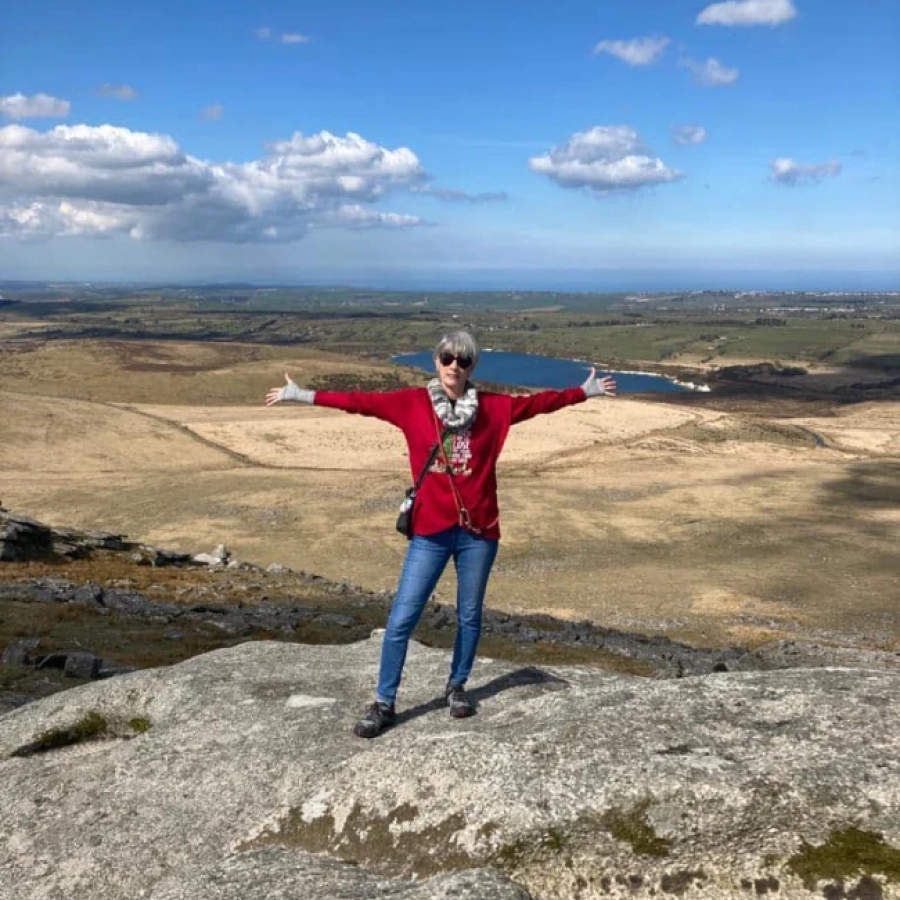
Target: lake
{"type": "Point", "coordinates": [528, 370]}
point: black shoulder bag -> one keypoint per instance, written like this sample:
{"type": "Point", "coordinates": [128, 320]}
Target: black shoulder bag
{"type": "Point", "coordinates": [405, 518]}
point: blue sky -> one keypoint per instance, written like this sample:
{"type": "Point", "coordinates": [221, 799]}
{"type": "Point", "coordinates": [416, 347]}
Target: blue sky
{"type": "Point", "coordinates": [644, 144]}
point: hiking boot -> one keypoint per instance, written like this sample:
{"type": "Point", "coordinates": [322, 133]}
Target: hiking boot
{"type": "Point", "coordinates": [378, 717]}
{"type": "Point", "coordinates": [461, 706]}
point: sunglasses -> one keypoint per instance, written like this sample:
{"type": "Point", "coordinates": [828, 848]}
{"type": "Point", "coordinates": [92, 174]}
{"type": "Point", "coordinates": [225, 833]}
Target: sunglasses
{"type": "Point", "coordinates": [447, 359]}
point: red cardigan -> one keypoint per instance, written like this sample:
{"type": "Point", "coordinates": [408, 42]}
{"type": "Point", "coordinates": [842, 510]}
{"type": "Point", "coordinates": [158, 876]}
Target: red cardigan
{"type": "Point", "coordinates": [471, 455]}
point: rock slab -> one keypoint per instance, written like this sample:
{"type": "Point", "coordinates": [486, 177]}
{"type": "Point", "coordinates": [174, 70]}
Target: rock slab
{"type": "Point", "coordinates": [235, 774]}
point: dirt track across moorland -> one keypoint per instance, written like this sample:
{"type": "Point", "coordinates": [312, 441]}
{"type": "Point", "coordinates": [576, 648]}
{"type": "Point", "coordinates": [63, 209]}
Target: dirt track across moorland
{"type": "Point", "coordinates": [710, 525]}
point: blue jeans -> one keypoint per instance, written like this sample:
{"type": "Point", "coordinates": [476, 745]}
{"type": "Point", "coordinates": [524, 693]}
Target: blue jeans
{"type": "Point", "coordinates": [426, 559]}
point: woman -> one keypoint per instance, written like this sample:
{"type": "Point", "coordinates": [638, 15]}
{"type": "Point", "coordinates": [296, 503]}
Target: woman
{"type": "Point", "coordinates": [455, 514]}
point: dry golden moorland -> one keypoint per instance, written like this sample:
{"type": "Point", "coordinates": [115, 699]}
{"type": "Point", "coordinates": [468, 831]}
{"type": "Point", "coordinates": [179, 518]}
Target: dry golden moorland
{"type": "Point", "coordinates": [710, 526]}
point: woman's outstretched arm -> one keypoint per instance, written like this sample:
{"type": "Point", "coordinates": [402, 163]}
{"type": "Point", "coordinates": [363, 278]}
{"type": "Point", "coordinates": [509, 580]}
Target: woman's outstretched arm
{"type": "Point", "coordinates": [527, 406]}
{"type": "Point", "coordinates": [394, 407]}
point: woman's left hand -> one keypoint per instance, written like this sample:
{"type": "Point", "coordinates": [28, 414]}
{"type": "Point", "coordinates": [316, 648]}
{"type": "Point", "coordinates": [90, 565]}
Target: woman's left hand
{"type": "Point", "coordinates": [597, 387]}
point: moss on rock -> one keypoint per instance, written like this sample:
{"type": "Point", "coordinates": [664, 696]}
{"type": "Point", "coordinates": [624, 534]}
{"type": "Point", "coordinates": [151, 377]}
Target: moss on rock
{"type": "Point", "coordinates": [90, 727]}
{"type": "Point", "coordinates": [847, 852]}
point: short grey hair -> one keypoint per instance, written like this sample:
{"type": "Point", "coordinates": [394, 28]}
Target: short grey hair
{"type": "Point", "coordinates": [461, 343]}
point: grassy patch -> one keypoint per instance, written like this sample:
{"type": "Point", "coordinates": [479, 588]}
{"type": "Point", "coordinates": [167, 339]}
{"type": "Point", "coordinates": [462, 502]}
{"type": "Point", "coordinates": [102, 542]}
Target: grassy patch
{"type": "Point", "coordinates": [383, 381]}
{"type": "Point", "coordinates": [93, 726]}
{"type": "Point", "coordinates": [848, 852]}
{"type": "Point", "coordinates": [366, 839]}
{"type": "Point", "coordinates": [553, 654]}
{"type": "Point", "coordinates": [89, 728]}
{"type": "Point", "coordinates": [744, 432]}
{"type": "Point", "coordinates": [116, 637]}
{"type": "Point", "coordinates": [513, 855]}
{"type": "Point", "coordinates": [631, 826]}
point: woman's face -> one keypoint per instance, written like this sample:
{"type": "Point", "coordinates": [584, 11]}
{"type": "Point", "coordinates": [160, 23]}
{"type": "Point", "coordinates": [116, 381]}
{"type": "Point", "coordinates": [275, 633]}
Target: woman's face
{"type": "Point", "coordinates": [453, 369]}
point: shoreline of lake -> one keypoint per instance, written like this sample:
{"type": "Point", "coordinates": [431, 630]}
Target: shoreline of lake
{"type": "Point", "coordinates": [534, 371]}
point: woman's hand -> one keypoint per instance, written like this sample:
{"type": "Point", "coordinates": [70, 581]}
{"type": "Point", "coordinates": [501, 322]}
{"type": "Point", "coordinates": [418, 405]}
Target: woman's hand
{"type": "Point", "coordinates": [596, 387]}
{"type": "Point", "coordinates": [290, 393]}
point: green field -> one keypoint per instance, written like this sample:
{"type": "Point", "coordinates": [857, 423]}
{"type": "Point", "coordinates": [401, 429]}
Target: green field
{"type": "Point", "coordinates": [710, 328]}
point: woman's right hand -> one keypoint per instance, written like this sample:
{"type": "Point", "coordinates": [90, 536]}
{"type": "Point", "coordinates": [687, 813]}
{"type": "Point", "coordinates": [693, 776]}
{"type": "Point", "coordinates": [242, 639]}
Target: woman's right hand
{"type": "Point", "coordinates": [290, 393]}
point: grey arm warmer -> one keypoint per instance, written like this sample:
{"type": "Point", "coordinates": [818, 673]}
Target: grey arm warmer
{"type": "Point", "coordinates": [290, 393]}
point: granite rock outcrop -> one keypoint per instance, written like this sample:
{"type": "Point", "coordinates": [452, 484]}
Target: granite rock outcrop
{"type": "Point", "coordinates": [235, 773]}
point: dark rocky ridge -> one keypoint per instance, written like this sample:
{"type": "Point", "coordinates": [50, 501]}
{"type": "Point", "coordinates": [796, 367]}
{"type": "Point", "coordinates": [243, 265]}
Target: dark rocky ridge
{"type": "Point", "coordinates": [126, 605]}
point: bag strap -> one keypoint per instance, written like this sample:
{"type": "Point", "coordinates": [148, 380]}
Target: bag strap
{"type": "Point", "coordinates": [464, 519]}
{"type": "Point", "coordinates": [431, 458]}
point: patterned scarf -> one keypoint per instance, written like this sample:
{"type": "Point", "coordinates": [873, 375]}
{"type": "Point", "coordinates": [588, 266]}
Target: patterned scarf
{"type": "Point", "coordinates": [455, 415]}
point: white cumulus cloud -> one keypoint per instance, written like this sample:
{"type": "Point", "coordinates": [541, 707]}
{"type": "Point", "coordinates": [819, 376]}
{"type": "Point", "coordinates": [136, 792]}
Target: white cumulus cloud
{"type": "Point", "coordinates": [637, 52]}
{"type": "Point", "coordinates": [689, 134]}
{"type": "Point", "coordinates": [103, 180]}
{"type": "Point", "coordinates": [100, 163]}
{"type": "Point", "coordinates": [786, 171]}
{"type": "Point", "coordinates": [603, 160]}
{"type": "Point", "coordinates": [748, 12]}
{"type": "Point", "coordinates": [62, 218]}
{"type": "Point", "coordinates": [37, 106]}
{"type": "Point", "coordinates": [711, 73]}
{"type": "Point", "coordinates": [119, 91]}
